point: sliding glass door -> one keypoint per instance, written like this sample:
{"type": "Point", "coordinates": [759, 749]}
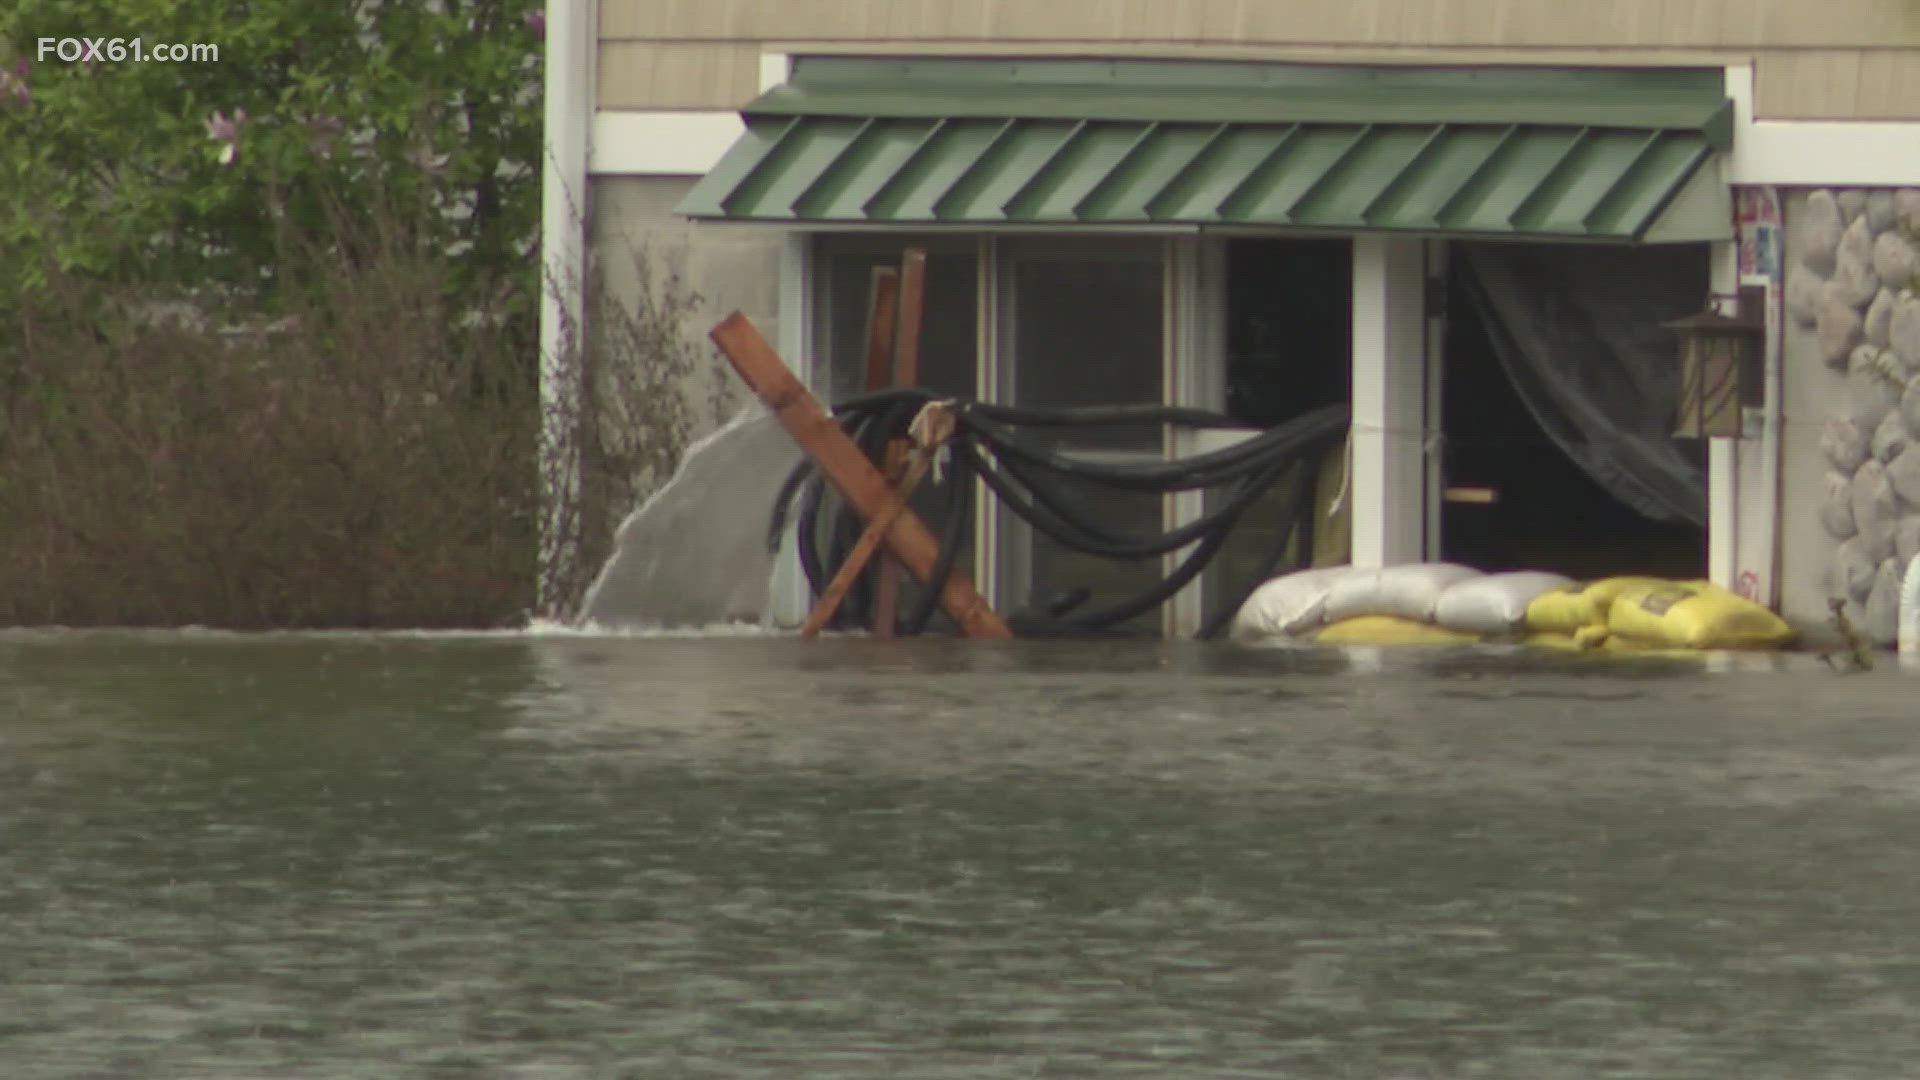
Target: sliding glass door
{"type": "Point", "coordinates": [1082, 322]}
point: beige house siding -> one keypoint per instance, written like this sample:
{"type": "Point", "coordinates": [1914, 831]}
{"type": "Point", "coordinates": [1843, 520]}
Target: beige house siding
{"type": "Point", "coordinates": [1856, 84]}
{"type": "Point", "coordinates": [1616, 23]}
{"type": "Point", "coordinates": [676, 75]}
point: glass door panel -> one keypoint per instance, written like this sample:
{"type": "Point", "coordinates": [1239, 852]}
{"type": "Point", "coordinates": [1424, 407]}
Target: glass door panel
{"type": "Point", "coordinates": [1083, 324]}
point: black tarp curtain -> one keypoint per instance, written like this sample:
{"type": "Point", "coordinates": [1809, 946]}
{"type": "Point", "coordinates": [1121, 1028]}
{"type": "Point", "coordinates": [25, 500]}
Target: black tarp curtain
{"type": "Point", "coordinates": [1577, 328]}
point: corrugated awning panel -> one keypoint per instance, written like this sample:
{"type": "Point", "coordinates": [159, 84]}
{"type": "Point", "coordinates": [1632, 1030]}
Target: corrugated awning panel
{"type": "Point", "coordinates": [1480, 179]}
{"type": "Point", "coordinates": [1606, 165]}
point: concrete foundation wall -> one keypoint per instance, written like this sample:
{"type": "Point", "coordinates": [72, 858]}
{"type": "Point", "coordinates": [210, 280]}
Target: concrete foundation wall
{"type": "Point", "coordinates": [730, 267]}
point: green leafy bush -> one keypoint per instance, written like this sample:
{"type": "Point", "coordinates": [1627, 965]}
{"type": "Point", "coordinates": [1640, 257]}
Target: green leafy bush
{"type": "Point", "coordinates": [268, 351]}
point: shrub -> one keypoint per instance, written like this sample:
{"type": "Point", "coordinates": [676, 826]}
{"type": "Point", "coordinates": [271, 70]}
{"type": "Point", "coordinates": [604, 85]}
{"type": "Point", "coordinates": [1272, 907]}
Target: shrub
{"type": "Point", "coordinates": [366, 457]}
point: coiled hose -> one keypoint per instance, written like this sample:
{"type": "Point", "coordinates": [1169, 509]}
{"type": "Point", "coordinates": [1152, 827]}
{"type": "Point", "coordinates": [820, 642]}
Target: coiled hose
{"type": "Point", "coordinates": [1033, 481]}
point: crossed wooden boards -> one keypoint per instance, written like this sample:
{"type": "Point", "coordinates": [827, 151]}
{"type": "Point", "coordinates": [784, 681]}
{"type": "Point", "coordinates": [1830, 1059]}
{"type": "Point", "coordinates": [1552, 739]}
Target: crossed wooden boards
{"type": "Point", "coordinates": [890, 522]}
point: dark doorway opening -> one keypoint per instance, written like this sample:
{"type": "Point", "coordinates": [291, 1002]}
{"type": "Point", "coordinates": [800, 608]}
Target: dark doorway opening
{"type": "Point", "coordinates": [1289, 348]}
{"type": "Point", "coordinates": [1289, 326]}
{"type": "Point", "coordinates": [1547, 513]}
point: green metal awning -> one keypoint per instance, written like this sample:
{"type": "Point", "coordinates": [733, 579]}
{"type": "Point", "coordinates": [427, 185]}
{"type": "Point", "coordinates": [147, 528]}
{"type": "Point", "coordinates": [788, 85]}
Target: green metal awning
{"type": "Point", "coordinates": [1609, 156]}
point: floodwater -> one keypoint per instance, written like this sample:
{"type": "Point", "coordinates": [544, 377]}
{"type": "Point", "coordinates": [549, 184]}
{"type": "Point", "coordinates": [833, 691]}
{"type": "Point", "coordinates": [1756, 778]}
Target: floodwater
{"type": "Point", "coordinates": [748, 856]}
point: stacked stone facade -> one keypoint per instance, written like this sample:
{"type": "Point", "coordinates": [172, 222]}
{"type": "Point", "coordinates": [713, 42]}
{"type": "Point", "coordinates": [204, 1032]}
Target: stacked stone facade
{"type": "Point", "coordinates": [1852, 262]}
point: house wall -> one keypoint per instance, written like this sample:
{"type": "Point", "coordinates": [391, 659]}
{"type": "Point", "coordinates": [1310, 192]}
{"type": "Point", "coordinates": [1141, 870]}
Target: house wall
{"type": "Point", "coordinates": [1851, 387]}
{"type": "Point", "coordinates": [729, 267]}
{"type": "Point", "coordinates": [1844, 59]}
{"type": "Point", "coordinates": [1850, 502]}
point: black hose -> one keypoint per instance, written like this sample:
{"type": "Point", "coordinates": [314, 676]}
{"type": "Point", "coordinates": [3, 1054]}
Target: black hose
{"type": "Point", "coordinates": [1113, 545]}
{"type": "Point", "coordinates": [806, 542]}
{"type": "Point", "coordinates": [1032, 480]}
{"type": "Point", "coordinates": [1182, 474]}
{"type": "Point", "coordinates": [1197, 560]}
{"type": "Point", "coordinates": [1299, 524]}
{"type": "Point", "coordinates": [1106, 415]}
{"type": "Point", "coordinates": [783, 500]}
{"type": "Point", "coordinates": [959, 499]}
{"type": "Point", "coordinates": [1075, 416]}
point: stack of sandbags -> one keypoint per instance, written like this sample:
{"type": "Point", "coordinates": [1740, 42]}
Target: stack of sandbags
{"type": "Point", "coordinates": [1652, 613]}
{"type": "Point", "coordinates": [1575, 613]}
{"type": "Point", "coordinates": [1287, 606]}
{"type": "Point", "coordinates": [1445, 603]}
{"type": "Point", "coordinates": [1495, 604]}
{"type": "Point", "coordinates": [1410, 604]}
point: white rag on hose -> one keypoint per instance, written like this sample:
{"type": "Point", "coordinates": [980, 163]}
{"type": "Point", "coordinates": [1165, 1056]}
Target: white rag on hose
{"type": "Point", "coordinates": [933, 427]}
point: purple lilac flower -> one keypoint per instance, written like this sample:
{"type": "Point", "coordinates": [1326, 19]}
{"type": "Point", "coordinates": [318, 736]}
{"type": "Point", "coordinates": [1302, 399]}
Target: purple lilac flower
{"type": "Point", "coordinates": [226, 132]}
{"type": "Point", "coordinates": [13, 83]}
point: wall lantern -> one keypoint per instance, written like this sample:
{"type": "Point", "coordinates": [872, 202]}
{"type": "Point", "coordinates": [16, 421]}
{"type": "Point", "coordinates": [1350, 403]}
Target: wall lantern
{"type": "Point", "coordinates": [1720, 366]}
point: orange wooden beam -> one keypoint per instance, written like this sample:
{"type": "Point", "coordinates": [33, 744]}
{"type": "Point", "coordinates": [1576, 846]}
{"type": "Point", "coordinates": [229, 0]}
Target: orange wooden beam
{"type": "Point", "coordinates": [848, 470]}
{"type": "Point", "coordinates": [883, 306]}
{"type": "Point", "coordinates": [863, 549]}
{"type": "Point", "coordinates": [913, 305]}
{"type": "Point", "coordinates": [886, 579]}
{"type": "Point", "coordinates": [906, 372]}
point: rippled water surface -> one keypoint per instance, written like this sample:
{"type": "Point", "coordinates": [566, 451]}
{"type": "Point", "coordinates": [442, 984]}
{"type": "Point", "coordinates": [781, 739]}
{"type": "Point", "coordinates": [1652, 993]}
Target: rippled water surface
{"type": "Point", "coordinates": [539, 856]}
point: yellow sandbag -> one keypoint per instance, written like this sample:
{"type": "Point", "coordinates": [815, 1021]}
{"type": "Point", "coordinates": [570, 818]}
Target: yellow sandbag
{"type": "Point", "coordinates": [1570, 607]}
{"type": "Point", "coordinates": [1694, 615]}
{"type": "Point", "coordinates": [1389, 630]}
{"type": "Point", "coordinates": [1587, 637]}
{"type": "Point", "coordinates": [1560, 610]}
{"type": "Point", "coordinates": [1618, 644]}
{"type": "Point", "coordinates": [1592, 637]}
{"type": "Point", "coordinates": [1606, 590]}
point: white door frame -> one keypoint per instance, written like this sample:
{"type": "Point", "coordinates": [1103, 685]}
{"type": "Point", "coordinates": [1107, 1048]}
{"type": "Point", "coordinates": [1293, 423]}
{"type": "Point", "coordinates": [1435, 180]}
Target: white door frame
{"type": "Point", "coordinates": [987, 511]}
{"type": "Point", "coordinates": [1389, 399]}
{"type": "Point", "coordinates": [1196, 377]}
{"type": "Point", "coordinates": [1436, 296]}
{"type": "Point", "coordinates": [1723, 474]}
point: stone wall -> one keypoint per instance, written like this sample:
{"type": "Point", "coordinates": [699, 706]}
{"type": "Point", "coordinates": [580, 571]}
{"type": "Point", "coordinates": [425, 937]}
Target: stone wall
{"type": "Point", "coordinates": [1853, 351]}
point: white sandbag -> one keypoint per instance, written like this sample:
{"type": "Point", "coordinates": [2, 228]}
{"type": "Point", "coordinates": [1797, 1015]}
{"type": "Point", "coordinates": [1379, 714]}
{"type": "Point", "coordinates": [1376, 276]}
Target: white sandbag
{"type": "Point", "coordinates": [1287, 605]}
{"type": "Point", "coordinates": [1410, 590]}
{"type": "Point", "coordinates": [1494, 603]}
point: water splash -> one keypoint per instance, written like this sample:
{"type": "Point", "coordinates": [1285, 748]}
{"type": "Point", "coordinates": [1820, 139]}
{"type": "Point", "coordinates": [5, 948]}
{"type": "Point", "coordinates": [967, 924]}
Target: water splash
{"type": "Point", "coordinates": [695, 555]}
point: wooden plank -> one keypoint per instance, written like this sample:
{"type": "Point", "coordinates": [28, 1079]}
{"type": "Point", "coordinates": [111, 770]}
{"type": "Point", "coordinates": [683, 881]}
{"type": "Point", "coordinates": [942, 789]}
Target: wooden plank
{"type": "Point", "coordinates": [886, 583]}
{"type": "Point", "coordinates": [883, 305]}
{"type": "Point", "coordinates": [913, 302]}
{"type": "Point", "coordinates": [848, 470]}
{"type": "Point", "coordinates": [863, 549]}
{"type": "Point", "coordinates": [906, 372]}
{"type": "Point", "coordinates": [882, 330]}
